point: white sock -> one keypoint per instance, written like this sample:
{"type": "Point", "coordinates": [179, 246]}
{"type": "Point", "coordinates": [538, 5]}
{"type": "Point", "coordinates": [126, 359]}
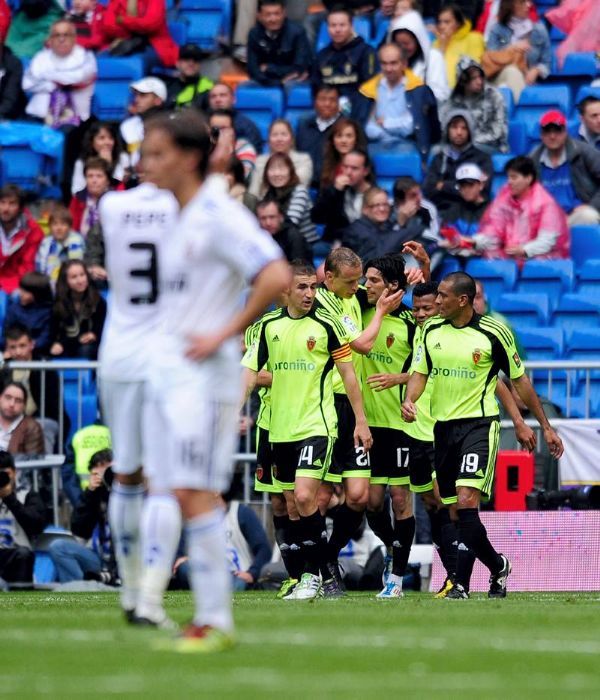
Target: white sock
{"type": "Point", "coordinates": [124, 513]}
{"type": "Point", "coordinates": [209, 570]}
{"type": "Point", "coordinates": [160, 535]}
{"type": "Point", "coordinates": [393, 578]}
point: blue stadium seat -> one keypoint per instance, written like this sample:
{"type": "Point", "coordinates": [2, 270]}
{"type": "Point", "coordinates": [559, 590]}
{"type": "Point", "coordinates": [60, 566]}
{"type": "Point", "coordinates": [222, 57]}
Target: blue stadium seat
{"type": "Point", "coordinates": [497, 182]}
{"type": "Point", "coordinates": [587, 91]}
{"type": "Point", "coordinates": [535, 100]}
{"type": "Point", "coordinates": [585, 244]}
{"type": "Point", "coordinates": [178, 30]}
{"type": "Point", "coordinates": [518, 141]}
{"type": "Point", "coordinates": [499, 161]}
{"type": "Point", "coordinates": [112, 94]}
{"type": "Point", "coordinates": [382, 27]}
{"type": "Point", "coordinates": [261, 104]}
{"type": "Point", "coordinates": [389, 166]}
{"type": "Point", "coordinates": [584, 64]}
{"type": "Point", "coordinates": [543, 344]}
{"type": "Point", "coordinates": [207, 21]}
{"type": "Point", "coordinates": [498, 276]}
{"type": "Point", "coordinates": [576, 311]}
{"type": "Point", "coordinates": [362, 26]}
{"type": "Point", "coordinates": [524, 310]}
{"type": "Point", "coordinates": [509, 100]}
{"type": "Point", "coordinates": [588, 277]}
{"type": "Point", "coordinates": [584, 344]}
{"type": "Point", "coordinates": [449, 264]}
{"type": "Point", "coordinates": [552, 277]}
{"type": "Point", "coordinates": [299, 102]}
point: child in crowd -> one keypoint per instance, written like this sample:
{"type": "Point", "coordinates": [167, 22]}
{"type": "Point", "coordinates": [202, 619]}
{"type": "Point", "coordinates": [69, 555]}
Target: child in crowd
{"type": "Point", "coordinates": [61, 245]}
{"type": "Point", "coordinates": [84, 204]}
{"type": "Point", "coordinates": [31, 306]}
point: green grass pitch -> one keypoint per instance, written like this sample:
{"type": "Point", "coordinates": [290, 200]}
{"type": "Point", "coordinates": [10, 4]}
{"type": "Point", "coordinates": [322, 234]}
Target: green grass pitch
{"type": "Point", "coordinates": [59, 645]}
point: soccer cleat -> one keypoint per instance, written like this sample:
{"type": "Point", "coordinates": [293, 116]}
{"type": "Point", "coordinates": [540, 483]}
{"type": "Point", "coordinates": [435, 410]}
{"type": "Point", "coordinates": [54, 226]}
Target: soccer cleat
{"type": "Point", "coordinates": [390, 590]}
{"type": "Point", "coordinates": [332, 589]}
{"type": "Point", "coordinates": [335, 572]}
{"type": "Point", "coordinates": [457, 592]}
{"type": "Point", "coordinates": [196, 639]}
{"type": "Point", "coordinates": [129, 614]}
{"type": "Point", "coordinates": [287, 586]}
{"type": "Point", "coordinates": [162, 623]}
{"type": "Point", "coordinates": [308, 588]}
{"type": "Point", "coordinates": [498, 581]}
{"type": "Point", "coordinates": [388, 563]}
{"type": "Point", "coordinates": [445, 589]}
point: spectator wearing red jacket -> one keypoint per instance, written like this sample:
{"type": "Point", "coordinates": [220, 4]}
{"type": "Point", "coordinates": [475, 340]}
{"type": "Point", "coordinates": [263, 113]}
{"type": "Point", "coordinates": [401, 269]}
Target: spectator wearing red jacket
{"type": "Point", "coordinates": [149, 21]}
{"type": "Point", "coordinates": [4, 19]}
{"type": "Point", "coordinates": [87, 16]}
{"type": "Point", "coordinates": [20, 236]}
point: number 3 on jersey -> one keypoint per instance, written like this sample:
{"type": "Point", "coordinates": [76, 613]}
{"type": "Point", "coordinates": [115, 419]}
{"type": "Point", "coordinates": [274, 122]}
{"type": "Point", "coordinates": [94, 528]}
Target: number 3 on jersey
{"type": "Point", "coordinates": [150, 272]}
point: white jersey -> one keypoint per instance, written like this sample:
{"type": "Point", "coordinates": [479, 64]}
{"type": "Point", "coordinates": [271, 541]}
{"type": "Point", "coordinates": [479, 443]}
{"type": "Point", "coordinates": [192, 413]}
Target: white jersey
{"type": "Point", "coordinates": [136, 224]}
{"type": "Point", "coordinates": [215, 250]}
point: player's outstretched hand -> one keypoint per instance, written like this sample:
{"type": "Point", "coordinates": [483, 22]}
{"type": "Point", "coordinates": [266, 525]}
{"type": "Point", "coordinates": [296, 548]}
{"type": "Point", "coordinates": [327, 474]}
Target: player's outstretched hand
{"type": "Point", "coordinates": [389, 302]}
{"type": "Point", "coordinates": [417, 251]}
{"type": "Point", "coordinates": [414, 275]}
{"type": "Point", "coordinates": [379, 382]}
{"type": "Point", "coordinates": [526, 437]}
{"type": "Point", "coordinates": [554, 443]}
{"type": "Point", "coordinates": [202, 346]}
{"type": "Point", "coordinates": [409, 412]}
{"type": "Point", "coordinates": [362, 436]}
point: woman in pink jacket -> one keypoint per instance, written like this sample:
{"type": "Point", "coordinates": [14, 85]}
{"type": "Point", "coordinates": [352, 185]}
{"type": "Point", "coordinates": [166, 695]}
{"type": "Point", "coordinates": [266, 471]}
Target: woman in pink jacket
{"type": "Point", "coordinates": [524, 221]}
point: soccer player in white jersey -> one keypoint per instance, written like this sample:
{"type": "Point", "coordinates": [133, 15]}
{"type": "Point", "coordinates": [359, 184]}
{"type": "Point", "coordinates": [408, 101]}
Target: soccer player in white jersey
{"type": "Point", "coordinates": [135, 224]}
{"type": "Point", "coordinates": [215, 250]}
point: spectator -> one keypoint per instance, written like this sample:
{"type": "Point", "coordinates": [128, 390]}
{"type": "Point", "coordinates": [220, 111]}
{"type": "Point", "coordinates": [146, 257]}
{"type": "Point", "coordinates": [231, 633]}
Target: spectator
{"type": "Point", "coordinates": [4, 19]}
{"type": "Point", "coordinates": [569, 170]}
{"type": "Point", "coordinates": [455, 39]}
{"type": "Point", "coordinates": [149, 97]}
{"type": "Point", "coordinates": [484, 103]}
{"type": "Point", "coordinates": [32, 309]}
{"type": "Point", "coordinates": [189, 88]}
{"type": "Point", "coordinates": [281, 182]}
{"type": "Point", "coordinates": [19, 434]}
{"type": "Point", "coordinates": [101, 140]}
{"type": "Point", "coordinates": [281, 141]}
{"type": "Point", "coordinates": [30, 26]}
{"type": "Point", "coordinates": [88, 18]}
{"type": "Point", "coordinates": [519, 50]}
{"type": "Point", "coordinates": [523, 221]}
{"type": "Point", "coordinates": [341, 203]}
{"type": "Point", "coordinates": [220, 96]}
{"type": "Point", "coordinates": [73, 560]}
{"type": "Point", "coordinates": [278, 50]}
{"type": "Point", "coordinates": [427, 63]}
{"type": "Point", "coordinates": [61, 79]}
{"type": "Point", "coordinates": [21, 236]}
{"type": "Point", "coordinates": [462, 219]}
{"type": "Point", "coordinates": [347, 62]}
{"type": "Point", "coordinates": [405, 110]}
{"type": "Point", "coordinates": [61, 245]}
{"type": "Point", "coordinates": [244, 150]}
{"type": "Point", "coordinates": [457, 148]}
{"type": "Point", "coordinates": [12, 98]}
{"type": "Point", "coordinates": [79, 313]}
{"type": "Point", "coordinates": [43, 388]}
{"type": "Point", "coordinates": [84, 204]}
{"type": "Point", "coordinates": [132, 26]}
{"type": "Point", "coordinates": [346, 135]}
{"type": "Point", "coordinates": [234, 173]}
{"type": "Point", "coordinates": [372, 234]}
{"type": "Point", "coordinates": [489, 16]}
{"type": "Point", "coordinates": [272, 219]}
{"type": "Point", "coordinates": [84, 444]}
{"type": "Point", "coordinates": [589, 114]}
{"type": "Point", "coordinates": [23, 516]}
{"type": "Point", "coordinates": [312, 130]}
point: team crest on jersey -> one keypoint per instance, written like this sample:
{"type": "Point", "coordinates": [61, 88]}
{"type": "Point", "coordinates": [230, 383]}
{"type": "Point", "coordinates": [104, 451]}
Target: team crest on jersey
{"type": "Point", "coordinates": [259, 473]}
{"type": "Point", "coordinates": [311, 342]}
{"type": "Point", "coordinates": [476, 355]}
{"type": "Point", "coordinates": [389, 341]}
{"type": "Point", "coordinates": [517, 359]}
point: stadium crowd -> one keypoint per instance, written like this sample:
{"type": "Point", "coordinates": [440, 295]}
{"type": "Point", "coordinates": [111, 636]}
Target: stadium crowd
{"type": "Point", "coordinates": [435, 83]}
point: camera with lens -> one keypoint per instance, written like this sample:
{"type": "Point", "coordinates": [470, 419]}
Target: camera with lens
{"type": "Point", "coordinates": [579, 498]}
{"type": "Point", "coordinates": [108, 478]}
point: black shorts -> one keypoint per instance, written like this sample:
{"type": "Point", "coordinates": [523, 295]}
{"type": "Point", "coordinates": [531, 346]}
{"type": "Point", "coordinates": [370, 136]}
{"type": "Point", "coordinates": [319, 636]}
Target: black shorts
{"type": "Point", "coordinates": [399, 460]}
{"type": "Point", "coordinates": [347, 460]}
{"type": "Point", "coordinates": [465, 455]}
{"type": "Point", "coordinates": [263, 478]}
{"type": "Point", "coordinates": [309, 457]}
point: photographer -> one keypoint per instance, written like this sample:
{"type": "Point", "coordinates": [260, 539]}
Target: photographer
{"type": "Point", "coordinates": [75, 561]}
{"type": "Point", "coordinates": [22, 516]}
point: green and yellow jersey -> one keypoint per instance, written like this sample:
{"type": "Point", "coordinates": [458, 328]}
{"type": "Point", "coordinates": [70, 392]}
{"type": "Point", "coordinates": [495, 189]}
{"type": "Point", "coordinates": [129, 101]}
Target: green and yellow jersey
{"type": "Point", "coordinates": [464, 364]}
{"type": "Point", "coordinates": [391, 354]}
{"type": "Point", "coordinates": [422, 428]}
{"type": "Point", "coordinates": [251, 337]}
{"type": "Point", "coordinates": [300, 353]}
{"type": "Point", "coordinates": [349, 315]}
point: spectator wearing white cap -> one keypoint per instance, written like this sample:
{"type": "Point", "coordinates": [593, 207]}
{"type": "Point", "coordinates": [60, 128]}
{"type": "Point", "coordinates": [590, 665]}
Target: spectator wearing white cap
{"type": "Point", "coordinates": [149, 97]}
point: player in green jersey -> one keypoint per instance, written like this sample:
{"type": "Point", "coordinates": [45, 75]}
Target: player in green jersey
{"type": "Point", "coordinates": [301, 344]}
{"type": "Point", "coordinates": [464, 352]}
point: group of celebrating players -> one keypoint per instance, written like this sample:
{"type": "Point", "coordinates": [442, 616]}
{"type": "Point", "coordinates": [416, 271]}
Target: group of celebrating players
{"type": "Point", "coordinates": [332, 361]}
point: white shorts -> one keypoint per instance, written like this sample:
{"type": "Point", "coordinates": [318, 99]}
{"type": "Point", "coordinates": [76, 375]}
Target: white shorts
{"type": "Point", "coordinates": [191, 438]}
{"type": "Point", "coordinates": [123, 407]}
